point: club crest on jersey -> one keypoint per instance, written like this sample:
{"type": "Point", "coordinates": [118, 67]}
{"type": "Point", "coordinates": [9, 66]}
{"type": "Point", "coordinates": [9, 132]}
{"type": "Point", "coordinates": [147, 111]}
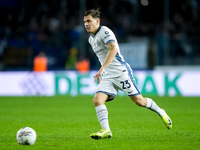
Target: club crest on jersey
{"type": "Point", "coordinates": [97, 43]}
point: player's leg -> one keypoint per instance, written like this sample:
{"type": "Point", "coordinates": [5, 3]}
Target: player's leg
{"type": "Point", "coordinates": [147, 102]}
{"type": "Point", "coordinates": [127, 84]}
{"type": "Point", "coordinates": [102, 115]}
{"type": "Point", "coordinates": [150, 104]}
{"type": "Point", "coordinates": [102, 112]}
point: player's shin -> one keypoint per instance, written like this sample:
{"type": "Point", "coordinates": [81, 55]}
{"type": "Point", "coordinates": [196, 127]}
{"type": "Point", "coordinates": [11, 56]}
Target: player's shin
{"type": "Point", "coordinates": [102, 115]}
{"type": "Point", "coordinates": [154, 107]}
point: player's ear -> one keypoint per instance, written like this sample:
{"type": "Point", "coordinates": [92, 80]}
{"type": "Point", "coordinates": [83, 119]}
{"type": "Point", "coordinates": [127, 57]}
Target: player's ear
{"type": "Point", "coordinates": [98, 21]}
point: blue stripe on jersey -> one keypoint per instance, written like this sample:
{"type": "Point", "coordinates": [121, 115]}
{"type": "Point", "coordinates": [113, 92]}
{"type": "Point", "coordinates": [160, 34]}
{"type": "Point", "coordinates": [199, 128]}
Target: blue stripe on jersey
{"type": "Point", "coordinates": [96, 31]}
{"type": "Point", "coordinates": [111, 96]}
{"type": "Point", "coordinates": [134, 95]}
{"type": "Point", "coordinates": [129, 71]}
{"type": "Point", "coordinates": [109, 41]}
{"type": "Point", "coordinates": [106, 93]}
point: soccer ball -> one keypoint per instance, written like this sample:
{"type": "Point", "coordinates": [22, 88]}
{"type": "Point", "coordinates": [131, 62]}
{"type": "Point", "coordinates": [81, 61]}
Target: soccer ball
{"type": "Point", "coordinates": [26, 136]}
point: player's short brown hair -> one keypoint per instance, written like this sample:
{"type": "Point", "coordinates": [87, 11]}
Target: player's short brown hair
{"type": "Point", "coordinates": [95, 13]}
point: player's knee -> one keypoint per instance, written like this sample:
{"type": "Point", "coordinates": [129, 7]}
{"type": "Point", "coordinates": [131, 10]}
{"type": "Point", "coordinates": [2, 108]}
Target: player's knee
{"type": "Point", "coordinates": [100, 99]}
{"type": "Point", "coordinates": [97, 101]}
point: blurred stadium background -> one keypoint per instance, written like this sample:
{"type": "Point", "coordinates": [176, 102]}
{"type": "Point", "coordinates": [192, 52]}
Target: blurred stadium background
{"type": "Point", "coordinates": [159, 38]}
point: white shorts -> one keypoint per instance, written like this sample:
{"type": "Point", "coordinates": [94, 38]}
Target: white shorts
{"type": "Point", "coordinates": [110, 86]}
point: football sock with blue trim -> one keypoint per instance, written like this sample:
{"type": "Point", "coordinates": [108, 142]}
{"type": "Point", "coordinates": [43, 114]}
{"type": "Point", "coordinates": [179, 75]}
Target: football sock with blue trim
{"type": "Point", "coordinates": [102, 115]}
{"type": "Point", "coordinates": [154, 107]}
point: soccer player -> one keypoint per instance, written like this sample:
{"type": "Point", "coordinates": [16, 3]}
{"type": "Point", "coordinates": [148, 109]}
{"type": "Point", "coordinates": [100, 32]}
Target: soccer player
{"type": "Point", "coordinates": [115, 74]}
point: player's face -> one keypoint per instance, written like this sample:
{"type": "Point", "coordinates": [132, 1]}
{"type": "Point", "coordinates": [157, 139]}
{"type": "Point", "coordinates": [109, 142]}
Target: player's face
{"type": "Point", "coordinates": [91, 24]}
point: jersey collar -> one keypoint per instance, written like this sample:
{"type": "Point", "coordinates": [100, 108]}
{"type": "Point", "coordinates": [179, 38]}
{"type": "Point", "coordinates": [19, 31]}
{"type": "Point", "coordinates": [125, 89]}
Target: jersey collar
{"type": "Point", "coordinates": [96, 31]}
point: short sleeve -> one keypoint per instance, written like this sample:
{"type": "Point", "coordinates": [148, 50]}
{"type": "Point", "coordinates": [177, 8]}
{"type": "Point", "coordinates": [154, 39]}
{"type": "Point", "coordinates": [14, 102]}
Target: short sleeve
{"type": "Point", "coordinates": [107, 36]}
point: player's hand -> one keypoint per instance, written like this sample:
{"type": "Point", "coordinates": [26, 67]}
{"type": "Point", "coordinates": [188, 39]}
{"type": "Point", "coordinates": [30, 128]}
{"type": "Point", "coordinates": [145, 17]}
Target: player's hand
{"type": "Point", "coordinates": [98, 76]}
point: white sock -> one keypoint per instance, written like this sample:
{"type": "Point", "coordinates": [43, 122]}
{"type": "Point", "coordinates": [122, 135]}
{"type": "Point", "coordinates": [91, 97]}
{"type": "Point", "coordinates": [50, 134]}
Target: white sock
{"type": "Point", "coordinates": [102, 115]}
{"type": "Point", "coordinates": [154, 107]}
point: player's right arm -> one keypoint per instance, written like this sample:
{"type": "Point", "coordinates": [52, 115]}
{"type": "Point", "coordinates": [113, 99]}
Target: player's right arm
{"type": "Point", "coordinates": [111, 55]}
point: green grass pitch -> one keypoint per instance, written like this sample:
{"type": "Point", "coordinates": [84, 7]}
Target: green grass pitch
{"type": "Point", "coordinates": [64, 122]}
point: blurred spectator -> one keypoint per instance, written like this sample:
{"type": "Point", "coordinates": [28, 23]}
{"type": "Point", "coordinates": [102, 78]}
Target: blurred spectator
{"type": "Point", "coordinates": [3, 44]}
{"type": "Point", "coordinates": [56, 23]}
{"type": "Point", "coordinates": [71, 59]}
{"type": "Point", "coordinates": [83, 64]}
{"type": "Point", "coordinates": [40, 62]}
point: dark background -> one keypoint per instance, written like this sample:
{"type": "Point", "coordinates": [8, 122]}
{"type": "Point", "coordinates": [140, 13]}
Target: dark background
{"type": "Point", "coordinates": [56, 28]}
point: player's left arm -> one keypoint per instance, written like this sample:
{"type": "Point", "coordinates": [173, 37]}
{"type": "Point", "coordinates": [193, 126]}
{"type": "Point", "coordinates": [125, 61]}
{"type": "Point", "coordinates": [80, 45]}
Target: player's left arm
{"type": "Point", "coordinates": [111, 55]}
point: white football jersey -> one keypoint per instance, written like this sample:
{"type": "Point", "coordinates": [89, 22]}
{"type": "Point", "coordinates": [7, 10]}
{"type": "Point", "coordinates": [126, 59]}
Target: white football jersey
{"type": "Point", "coordinates": [99, 42]}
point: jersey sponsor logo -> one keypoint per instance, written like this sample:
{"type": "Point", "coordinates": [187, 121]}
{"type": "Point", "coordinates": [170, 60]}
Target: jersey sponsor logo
{"type": "Point", "coordinates": [99, 51]}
